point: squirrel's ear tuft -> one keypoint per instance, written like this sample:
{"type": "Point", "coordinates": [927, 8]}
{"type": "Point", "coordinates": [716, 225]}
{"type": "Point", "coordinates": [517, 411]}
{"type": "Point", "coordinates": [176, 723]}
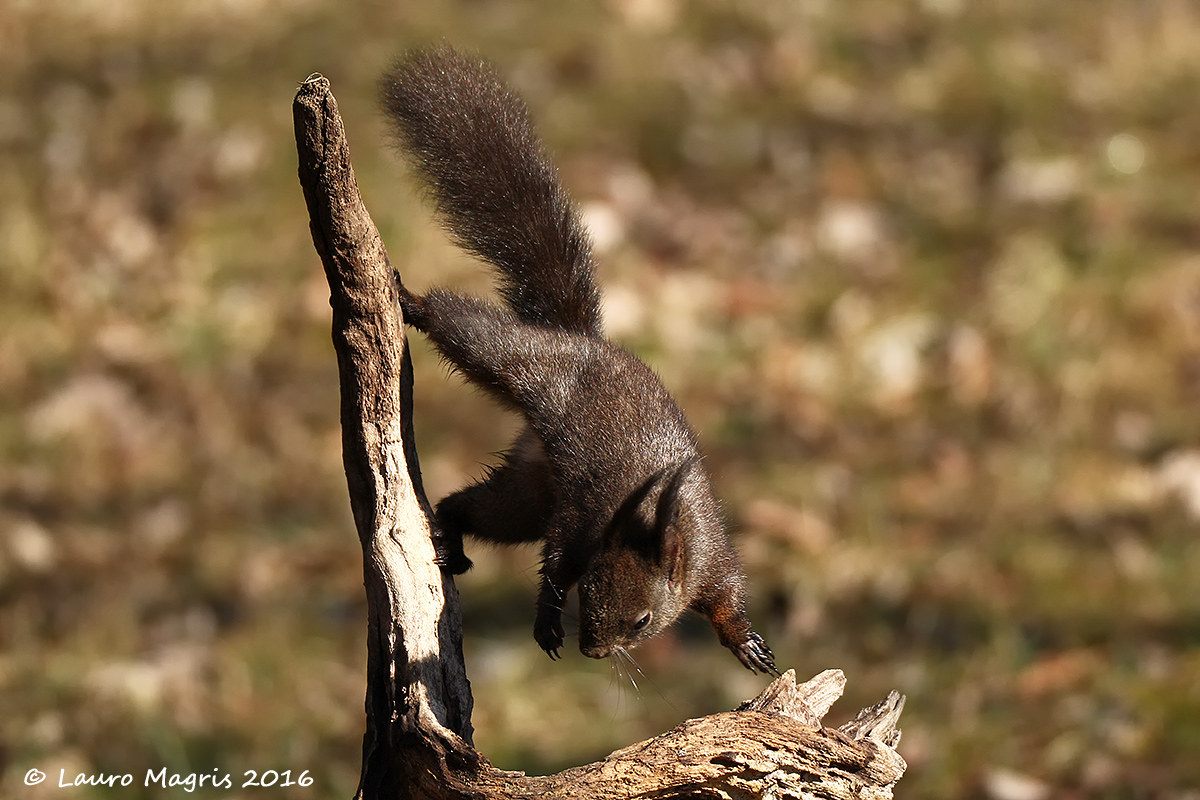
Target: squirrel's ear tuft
{"type": "Point", "coordinates": [632, 519]}
{"type": "Point", "coordinates": [668, 500]}
{"type": "Point", "coordinates": [667, 536]}
{"type": "Point", "coordinates": [646, 523]}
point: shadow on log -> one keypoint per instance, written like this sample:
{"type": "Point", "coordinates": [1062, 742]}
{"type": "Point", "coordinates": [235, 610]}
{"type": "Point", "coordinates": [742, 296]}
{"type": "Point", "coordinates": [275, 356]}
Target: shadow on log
{"type": "Point", "coordinates": [418, 734]}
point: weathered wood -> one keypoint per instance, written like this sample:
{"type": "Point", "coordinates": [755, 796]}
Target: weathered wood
{"type": "Point", "coordinates": [418, 706]}
{"type": "Point", "coordinates": [416, 680]}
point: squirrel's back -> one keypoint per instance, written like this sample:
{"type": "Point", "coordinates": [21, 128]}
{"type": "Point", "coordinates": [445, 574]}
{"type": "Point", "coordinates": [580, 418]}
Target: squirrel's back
{"type": "Point", "coordinates": [497, 193]}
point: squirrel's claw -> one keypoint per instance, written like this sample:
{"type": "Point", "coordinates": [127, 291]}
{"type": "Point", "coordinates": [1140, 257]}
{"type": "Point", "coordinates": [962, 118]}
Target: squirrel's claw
{"type": "Point", "coordinates": [756, 656]}
{"type": "Point", "coordinates": [549, 635]}
{"type": "Point", "coordinates": [454, 563]}
{"type": "Point", "coordinates": [448, 553]}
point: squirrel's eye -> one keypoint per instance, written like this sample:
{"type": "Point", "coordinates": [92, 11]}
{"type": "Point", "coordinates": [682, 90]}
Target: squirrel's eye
{"type": "Point", "coordinates": [642, 622]}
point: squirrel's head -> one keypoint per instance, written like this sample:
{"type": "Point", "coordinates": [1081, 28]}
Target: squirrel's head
{"type": "Point", "coordinates": [634, 586]}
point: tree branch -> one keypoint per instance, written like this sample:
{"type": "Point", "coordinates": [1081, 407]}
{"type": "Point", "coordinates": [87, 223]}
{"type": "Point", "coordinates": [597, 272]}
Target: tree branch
{"type": "Point", "coordinates": [418, 706]}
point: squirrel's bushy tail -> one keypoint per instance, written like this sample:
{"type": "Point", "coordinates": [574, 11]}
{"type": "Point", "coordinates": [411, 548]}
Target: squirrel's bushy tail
{"type": "Point", "coordinates": [496, 191]}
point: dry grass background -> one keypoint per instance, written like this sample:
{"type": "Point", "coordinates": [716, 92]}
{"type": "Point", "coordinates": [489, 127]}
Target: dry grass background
{"type": "Point", "coordinates": [926, 276]}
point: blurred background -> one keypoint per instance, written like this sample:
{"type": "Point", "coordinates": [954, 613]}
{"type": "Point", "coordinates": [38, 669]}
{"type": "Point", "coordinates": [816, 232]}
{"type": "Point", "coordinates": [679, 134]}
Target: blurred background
{"type": "Point", "coordinates": [924, 274]}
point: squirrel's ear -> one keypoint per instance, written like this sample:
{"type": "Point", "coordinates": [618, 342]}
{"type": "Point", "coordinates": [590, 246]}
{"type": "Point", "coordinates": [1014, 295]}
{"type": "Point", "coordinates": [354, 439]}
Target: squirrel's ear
{"type": "Point", "coordinates": [644, 524]}
{"type": "Point", "coordinates": [667, 536]}
{"type": "Point", "coordinates": [668, 500]}
{"type": "Point", "coordinates": [632, 516]}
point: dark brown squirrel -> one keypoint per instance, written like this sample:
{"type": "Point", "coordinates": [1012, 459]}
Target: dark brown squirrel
{"type": "Point", "coordinates": [606, 471]}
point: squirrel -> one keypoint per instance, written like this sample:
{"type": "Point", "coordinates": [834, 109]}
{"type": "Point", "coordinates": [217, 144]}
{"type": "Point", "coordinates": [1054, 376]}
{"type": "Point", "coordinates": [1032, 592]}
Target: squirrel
{"type": "Point", "coordinates": [606, 472]}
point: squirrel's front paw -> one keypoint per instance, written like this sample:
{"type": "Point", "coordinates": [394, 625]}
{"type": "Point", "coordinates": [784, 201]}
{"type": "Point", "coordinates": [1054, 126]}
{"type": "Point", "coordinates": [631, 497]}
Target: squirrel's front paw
{"type": "Point", "coordinates": [548, 631]}
{"type": "Point", "coordinates": [755, 655]}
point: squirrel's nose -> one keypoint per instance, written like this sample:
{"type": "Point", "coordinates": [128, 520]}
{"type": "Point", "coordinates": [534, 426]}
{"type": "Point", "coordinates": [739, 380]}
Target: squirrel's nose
{"type": "Point", "coordinates": [595, 651]}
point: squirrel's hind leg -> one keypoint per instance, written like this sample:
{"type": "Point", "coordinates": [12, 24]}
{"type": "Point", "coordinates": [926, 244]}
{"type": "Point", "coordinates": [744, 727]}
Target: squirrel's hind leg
{"type": "Point", "coordinates": [511, 505]}
{"type": "Point", "coordinates": [527, 367]}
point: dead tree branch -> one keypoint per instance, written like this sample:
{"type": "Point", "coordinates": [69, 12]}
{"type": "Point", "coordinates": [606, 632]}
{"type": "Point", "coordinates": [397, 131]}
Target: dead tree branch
{"type": "Point", "coordinates": [418, 706]}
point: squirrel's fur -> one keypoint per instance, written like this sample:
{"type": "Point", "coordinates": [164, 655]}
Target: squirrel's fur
{"type": "Point", "coordinates": [606, 472]}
